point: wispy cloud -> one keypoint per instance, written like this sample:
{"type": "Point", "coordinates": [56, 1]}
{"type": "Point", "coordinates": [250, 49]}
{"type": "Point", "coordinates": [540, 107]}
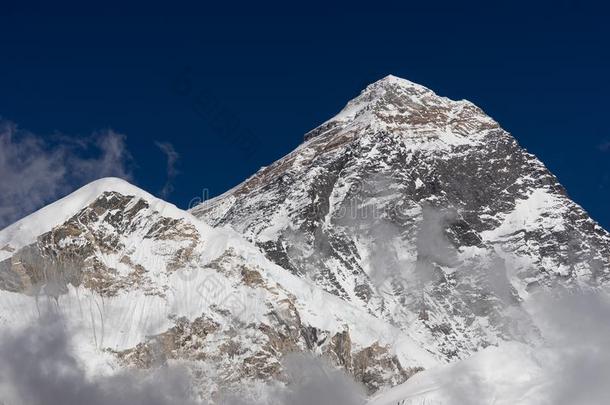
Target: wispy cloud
{"type": "Point", "coordinates": [172, 158]}
{"type": "Point", "coordinates": [36, 170]}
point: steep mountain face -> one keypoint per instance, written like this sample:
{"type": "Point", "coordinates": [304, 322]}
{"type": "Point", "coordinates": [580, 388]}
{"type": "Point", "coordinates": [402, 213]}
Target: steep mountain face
{"type": "Point", "coordinates": [143, 283]}
{"type": "Point", "coordinates": [423, 212]}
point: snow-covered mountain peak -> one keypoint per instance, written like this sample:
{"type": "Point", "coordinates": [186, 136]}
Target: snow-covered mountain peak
{"type": "Point", "coordinates": [25, 231]}
{"type": "Point", "coordinates": [396, 105]}
{"type": "Point", "coordinates": [390, 81]}
{"type": "Point", "coordinates": [408, 204]}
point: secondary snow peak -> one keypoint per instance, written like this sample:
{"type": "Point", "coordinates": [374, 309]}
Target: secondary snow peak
{"type": "Point", "coordinates": [27, 229]}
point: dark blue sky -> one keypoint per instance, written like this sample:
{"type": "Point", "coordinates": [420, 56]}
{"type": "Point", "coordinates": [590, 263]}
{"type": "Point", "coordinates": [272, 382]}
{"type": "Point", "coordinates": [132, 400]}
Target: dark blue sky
{"type": "Point", "coordinates": [268, 74]}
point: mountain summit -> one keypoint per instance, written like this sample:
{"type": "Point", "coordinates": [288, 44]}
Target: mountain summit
{"type": "Point", "coordinates": [393, 104]}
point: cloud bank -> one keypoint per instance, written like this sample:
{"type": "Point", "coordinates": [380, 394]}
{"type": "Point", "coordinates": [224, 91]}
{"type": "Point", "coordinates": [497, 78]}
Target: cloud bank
{"type": "Point", "coordinates": [38, 367]}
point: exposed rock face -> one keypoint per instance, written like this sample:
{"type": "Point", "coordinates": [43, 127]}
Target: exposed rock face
{"type": "Point", "coordinates": [413, 206]}
{"type": "Point", "coordinates": [186, 340]}
{"type": "Point", "coordinates": [224, 349]}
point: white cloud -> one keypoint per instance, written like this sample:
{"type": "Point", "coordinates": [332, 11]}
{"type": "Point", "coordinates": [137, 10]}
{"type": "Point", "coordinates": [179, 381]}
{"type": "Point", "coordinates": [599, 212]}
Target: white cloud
{"type": "Point", "coordinates": [38, 367]}
{"type": "Point", "coordinates": [36, 170]}
{"type": "Point", "coordinates": [310, 380]}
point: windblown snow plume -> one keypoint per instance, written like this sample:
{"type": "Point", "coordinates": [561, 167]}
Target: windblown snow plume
{"type": "Point", "coordinates": [172, 158]}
